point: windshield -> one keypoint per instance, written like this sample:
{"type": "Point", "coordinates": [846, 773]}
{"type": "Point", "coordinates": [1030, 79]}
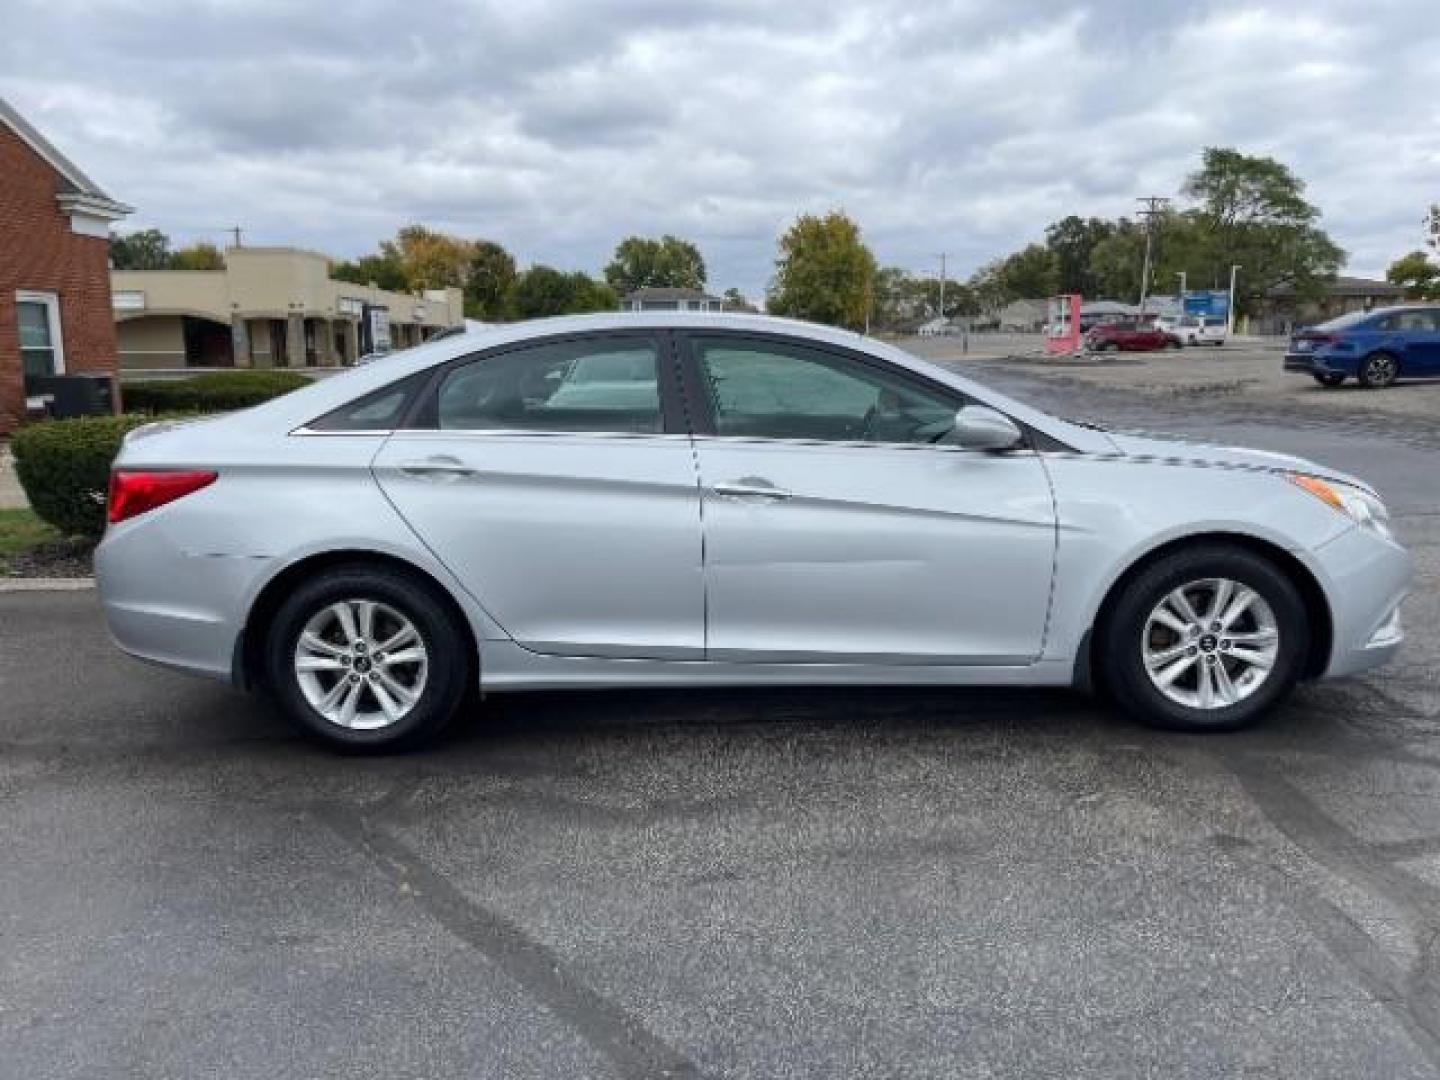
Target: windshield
{"type": "Point", "coordinates": [1344, 322]}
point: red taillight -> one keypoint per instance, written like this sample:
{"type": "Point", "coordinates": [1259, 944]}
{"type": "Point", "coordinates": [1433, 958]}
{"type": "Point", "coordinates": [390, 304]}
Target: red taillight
{"type": "Point", "coordinates": [133, 492]}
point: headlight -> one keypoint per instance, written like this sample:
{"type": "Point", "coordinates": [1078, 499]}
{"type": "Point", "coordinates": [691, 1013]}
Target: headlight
{"type": "Point", "coordinates": [1359, 506]}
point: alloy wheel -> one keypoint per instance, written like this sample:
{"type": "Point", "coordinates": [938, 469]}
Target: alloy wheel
{"type": "Point", "coordinates": [1380, 370]}
{"type": "Point", "coordinates": [361, 664]}
{"type": "Point", "coordinates": [1210, 644]}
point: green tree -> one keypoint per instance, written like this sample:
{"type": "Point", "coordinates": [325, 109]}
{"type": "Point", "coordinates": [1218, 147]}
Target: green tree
{"type": "Point", "coordinates": [383, 271]}
{"type": "Point", "coordinates": [669, 262]}
{"type": "Point", "coordinates": [1030, 273]}
{"type": "Point", "coordinates": [825, 272]}
{"type": "Point", "coordinates": [489, 279]}
{"type": "Point", "coordinates": [1072, 241]}
{"type": "Point", "coordinates": [542, 291]}
{"type": "Point", "coordinates": [587, 294]}
{"type": "Point", "coordinates": [735, 301]}
{"type": "Point", "coordinates": [148, 249]}
{"type": "Point", "coordinates": [1418, 274]}
{"type": "Point", "coordinates": [1252, 212]}
{"type": "Point", "coordinates": [200, 256]}
{"type": "Point", "coordinates": [1117, 261]}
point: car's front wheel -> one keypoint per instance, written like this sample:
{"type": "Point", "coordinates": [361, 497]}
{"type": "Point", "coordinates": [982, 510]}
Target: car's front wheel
{"type": "Point", "coordinates": [367, 658]}
{"type": "Point", "coordinates": [1205, 639]}
{"type": "Point", "coordinates": [1379, 370]}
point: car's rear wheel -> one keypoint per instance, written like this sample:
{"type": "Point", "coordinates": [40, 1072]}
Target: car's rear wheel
{"type": "Point", "coordinates": [367, 658]}
{"type": "Point", "coordinates": [1206, 639]}
{"type": "Point", "coordinates": [1330, 380]}
{"type": "Point", "coordinates": [1379, 370]}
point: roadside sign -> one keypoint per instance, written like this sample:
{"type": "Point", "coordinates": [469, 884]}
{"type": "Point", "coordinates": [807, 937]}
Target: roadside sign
{"type": "Point", "coordinates": [1211, 303]}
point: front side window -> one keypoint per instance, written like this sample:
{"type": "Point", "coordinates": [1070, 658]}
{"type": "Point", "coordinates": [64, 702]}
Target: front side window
{"type": "Point", "coordinates": [587, 385]}
{"type": "Point", "coordinates": [773, 391]}
{"type": "Point", "coordinates": [38, 319]}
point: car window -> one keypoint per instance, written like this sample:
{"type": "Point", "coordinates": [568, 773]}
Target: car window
{"type": "Point", "coordinates": [379, 410]}
{"type": "Point", "coordinates": [588, 385]}
{"type": "Point", "coordinates": [774, 391]}
{"type": "Point", "coordinates": [1343, 322]}
{"type": "Point", "coordinates": [1421, 320]}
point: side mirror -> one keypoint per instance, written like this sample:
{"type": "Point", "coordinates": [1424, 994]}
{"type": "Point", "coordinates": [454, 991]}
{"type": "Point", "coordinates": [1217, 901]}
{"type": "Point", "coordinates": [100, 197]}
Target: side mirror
{"type": "Point", "coordinates": [978, 427]}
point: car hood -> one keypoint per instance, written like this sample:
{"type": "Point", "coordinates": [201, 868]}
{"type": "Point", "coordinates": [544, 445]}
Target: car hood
{"type": "Point", "coordinates": [1145, 445]}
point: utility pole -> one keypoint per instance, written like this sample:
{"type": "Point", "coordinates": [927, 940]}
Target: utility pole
{"type": "Point", "coordinates": [1181, 275]}
{"type": "Point", "coordinates": [942, 256]}
{"type": "Point", "coordinates": [1154, 206]}
{"type": "Point", "coordinates": [234, 230]}
{"type": "Point", "coordinates": [1230, 307]}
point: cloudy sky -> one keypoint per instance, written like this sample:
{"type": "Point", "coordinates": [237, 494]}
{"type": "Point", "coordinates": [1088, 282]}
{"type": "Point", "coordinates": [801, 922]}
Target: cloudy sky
{"type": "Point", "coordinates": [559, 126]}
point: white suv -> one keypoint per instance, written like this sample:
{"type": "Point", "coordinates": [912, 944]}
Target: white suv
{"type": "Point", "coordinates": [1200, 330]}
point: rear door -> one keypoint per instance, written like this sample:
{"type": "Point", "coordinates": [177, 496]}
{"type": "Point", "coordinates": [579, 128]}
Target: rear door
{"type": "Point", "coordinates": [840, 528]}
{"type": "Point", "coordinates": [556, 480]}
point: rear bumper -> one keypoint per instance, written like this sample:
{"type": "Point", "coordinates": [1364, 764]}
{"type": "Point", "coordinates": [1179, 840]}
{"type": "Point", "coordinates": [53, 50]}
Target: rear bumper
{"type": "Point", "coordinates": [1320, 364]}
{"type": "Point", "coordinates": [171, 607]}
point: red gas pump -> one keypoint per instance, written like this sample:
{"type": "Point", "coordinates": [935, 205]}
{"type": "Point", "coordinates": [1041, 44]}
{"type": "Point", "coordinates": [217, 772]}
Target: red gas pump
{"type": "Point", "coordinates": [1062, 332]}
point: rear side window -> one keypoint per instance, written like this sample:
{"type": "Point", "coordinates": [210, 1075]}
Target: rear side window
{"type": "Point", "coordinates": [380, 410]}
{"type": "Point", "coordinates": [600, 385]}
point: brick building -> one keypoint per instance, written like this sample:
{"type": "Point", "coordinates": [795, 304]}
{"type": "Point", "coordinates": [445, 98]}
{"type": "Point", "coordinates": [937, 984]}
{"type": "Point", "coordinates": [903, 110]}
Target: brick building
{"type": "Point", "coordinates": [55, 313]}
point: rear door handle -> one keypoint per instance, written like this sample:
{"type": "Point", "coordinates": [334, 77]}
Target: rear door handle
{"type": "Point", "coordinates": [750, 489]}
{"type": "Point", "coordinates": [440, 467]}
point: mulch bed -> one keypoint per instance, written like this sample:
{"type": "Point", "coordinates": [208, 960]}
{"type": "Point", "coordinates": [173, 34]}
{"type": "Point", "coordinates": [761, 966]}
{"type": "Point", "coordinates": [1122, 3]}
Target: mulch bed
{"type": "Point", "coordinates": [53, 559]}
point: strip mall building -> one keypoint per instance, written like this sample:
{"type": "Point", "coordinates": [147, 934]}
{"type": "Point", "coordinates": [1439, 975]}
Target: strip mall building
{"type": "Point", "coordinates": [269, 307]}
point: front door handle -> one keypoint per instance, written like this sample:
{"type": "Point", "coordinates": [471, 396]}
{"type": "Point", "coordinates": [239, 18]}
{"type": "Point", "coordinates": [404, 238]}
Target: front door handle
{"type": "Point", "coordinates": [439, 467]}
{"type": "Point", "coordinates": [750, 489]}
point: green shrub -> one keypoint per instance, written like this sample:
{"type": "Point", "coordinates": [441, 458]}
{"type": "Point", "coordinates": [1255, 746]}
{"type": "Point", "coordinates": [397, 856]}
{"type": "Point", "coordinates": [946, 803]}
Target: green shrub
{"type": "Point", "coordinates": [218, 391]}
{"type": "Point", "coordinates": [64, 467]}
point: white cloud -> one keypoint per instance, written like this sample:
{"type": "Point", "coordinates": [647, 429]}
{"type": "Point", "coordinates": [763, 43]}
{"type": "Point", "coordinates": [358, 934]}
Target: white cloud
{"type": "Point", "coordinates": [559, 126]}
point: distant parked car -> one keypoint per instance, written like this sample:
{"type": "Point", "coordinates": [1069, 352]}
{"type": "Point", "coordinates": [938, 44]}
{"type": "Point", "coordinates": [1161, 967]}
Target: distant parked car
{"type": "Point", "coordinates": [1373, 347]}
{"type": "Point", "coordinates": [1199, 330]}
{"type": "Point", "coordinates": [1130, 336]}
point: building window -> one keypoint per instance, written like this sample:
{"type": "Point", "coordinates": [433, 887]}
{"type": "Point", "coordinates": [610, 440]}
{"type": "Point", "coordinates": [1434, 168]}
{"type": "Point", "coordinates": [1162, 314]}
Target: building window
{"type": "Point", "coordinates": [42, 348]}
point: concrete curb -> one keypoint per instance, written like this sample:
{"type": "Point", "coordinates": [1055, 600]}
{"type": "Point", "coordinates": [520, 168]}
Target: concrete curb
{"type": "Point", "coordinates": [40, 584]}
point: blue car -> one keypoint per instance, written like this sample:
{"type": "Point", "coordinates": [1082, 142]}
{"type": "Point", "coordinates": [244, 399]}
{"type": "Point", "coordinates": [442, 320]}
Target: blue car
{"type": "Point", "coordinates": [1373, 347]}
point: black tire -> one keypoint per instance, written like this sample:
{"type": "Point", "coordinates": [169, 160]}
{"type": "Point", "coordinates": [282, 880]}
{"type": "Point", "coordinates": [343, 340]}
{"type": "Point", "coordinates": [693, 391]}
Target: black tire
{"type": "Point", "coordinates": [448, 668]}
{"type": "Point", "coordinates": [1121, 663]}
{"type": "Point", "coordinates": [1379, 370]}
{"type": "Point", "coordinates": [1173, 343]}
{"type": "Point", "coordinates": [1330, 381]}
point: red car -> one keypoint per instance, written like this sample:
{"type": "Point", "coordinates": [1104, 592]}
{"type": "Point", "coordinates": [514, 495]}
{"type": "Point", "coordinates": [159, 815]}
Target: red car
{"type": "Point", "coordinates": [1130, 336]}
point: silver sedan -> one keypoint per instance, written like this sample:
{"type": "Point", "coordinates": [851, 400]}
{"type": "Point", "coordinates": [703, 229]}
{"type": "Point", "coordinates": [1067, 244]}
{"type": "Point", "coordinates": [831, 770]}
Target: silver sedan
{"type": "Point", "coordinates": [702, 500]}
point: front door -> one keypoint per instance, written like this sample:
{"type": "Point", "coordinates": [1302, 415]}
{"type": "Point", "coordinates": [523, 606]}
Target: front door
{"type": "Point", "coordinates": [555, 486]}
{"type": "Point", "coordinates": [1422, 342]}
{"type": "Point", "coordinates": [839, 526]}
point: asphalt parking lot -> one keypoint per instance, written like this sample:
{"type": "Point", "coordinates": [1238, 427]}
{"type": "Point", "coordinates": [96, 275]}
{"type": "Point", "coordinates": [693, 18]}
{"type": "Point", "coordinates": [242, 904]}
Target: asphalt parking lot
{"type": "Point", "coordinates": [741, 884]}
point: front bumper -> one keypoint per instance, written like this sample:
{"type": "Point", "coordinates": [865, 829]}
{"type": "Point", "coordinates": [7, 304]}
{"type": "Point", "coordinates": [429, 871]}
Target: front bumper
{"type": "Point", "coordinates": [1366, 578]}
